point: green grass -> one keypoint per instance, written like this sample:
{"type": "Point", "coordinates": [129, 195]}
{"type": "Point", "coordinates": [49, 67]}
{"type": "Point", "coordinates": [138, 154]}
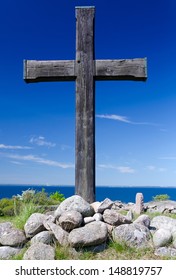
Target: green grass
{"type": "Point", "coordinates": [20, 219]}
{"type": "Point", "coordinates": [5, 219]}
{"type": "Point", "coordinates": [114, 251]}
{"type": "Point", "coordinates": [20, 255]}
{"type": "Point", "coordinates": [19, 208]}
{"type": "Point", "coordinates": [62, 253]}
{"type": "Point", "coordinates": [26, 211]}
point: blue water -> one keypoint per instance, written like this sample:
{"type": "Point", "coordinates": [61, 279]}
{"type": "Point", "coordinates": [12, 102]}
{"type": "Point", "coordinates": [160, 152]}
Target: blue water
{"type": "Point", "coordinates": [124, 194]}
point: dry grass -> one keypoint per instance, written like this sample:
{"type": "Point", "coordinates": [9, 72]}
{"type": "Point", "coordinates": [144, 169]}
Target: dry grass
{"type": "Point", "coordinates": [114, 251]}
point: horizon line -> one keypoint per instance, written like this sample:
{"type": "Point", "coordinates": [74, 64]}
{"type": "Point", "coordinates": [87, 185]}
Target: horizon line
{"type": "Point", "coordinates": [97, 186]}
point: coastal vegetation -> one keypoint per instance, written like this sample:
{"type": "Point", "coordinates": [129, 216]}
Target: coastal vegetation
{"type": "Point", "coordinates": [161, 197]}
{"type": "Point", "coordinates": [20, 207]}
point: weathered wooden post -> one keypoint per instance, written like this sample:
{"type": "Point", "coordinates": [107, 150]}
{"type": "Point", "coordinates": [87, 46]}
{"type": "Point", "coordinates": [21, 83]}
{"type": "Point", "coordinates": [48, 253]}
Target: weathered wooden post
{"type": "Point", "coordinates": [85, 104]}
{"type": "Point", "coordinates": [85, 70]}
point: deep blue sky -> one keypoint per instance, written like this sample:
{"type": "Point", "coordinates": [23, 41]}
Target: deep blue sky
{"type": "Point", "coordinates": [135, 121]}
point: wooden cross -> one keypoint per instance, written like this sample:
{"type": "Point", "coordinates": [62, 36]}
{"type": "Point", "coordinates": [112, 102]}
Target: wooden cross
{"type": "Point", "coordinates": [85, 70]}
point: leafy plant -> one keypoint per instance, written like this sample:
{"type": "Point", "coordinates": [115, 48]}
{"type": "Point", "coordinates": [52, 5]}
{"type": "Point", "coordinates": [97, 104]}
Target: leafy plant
{"type": "Point", "coordinates": [27, 196]}
{"type": "Point", "coordinates": [8, 211]}
{"type": "Point", "coordinates": [8, 207]}
{"type": "Point", "coordinates": [27, 203]}
{"type": "Point", "coordinates": [161, 197]}
{"type": "Point", "coordinates": [4, 202]}
{"type": "Point", "coordinates": [57, 196]}
{"type": "Point", "coordinates": [41, 198]}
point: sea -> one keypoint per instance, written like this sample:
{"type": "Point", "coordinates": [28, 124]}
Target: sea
{"type": "Point", "coordinates": [124, 194]}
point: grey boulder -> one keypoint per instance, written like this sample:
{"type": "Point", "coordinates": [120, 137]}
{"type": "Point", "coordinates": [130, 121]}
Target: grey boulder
{"type": "Point", "coordinates": [174, 243]}
{"type": "Point", "coordinates": [144, 220]}
{"type": "Point", "coordinates": [6, 252]}
{"type": "Point", "coordinates": [95, 205]}
{"type": "Point", "coordinates": [163, 222]}
{"type": "Point", "coordinates": [34, 224]}
{"type": "Point", "coordinates": [60, 234]}
{"type": "Point", "coordinates": [45, 237]}
{"type": "Point", "coordinates": [76, 203]}
{"type": "Point", "coordinates": [70, 220]}
{"type": "Point", "coordinates": [91, 234]}
{"type": "Point", "coordinates": [88, 220]}
{"type": "Point", "coordinates": [39, 251]}
{"type": "Point", "coordinates": [10, 236]}
{"type": "Point", "coordinates": [162, 237]}
{"type": "Point", "coordinates": [114, 218]}
{"type": "Point", "coordinates": [134, 235]}
{"type": "Point", "coordinates": [47, 220]}
{"type": "Point", "coordinates": [98, 217]}
{"type": "Point", "coordinates": [105, 204]}
{"type": "Point", "coordinates": [4, 227]}
{"type": "Point", "coordinates": [165, 252]}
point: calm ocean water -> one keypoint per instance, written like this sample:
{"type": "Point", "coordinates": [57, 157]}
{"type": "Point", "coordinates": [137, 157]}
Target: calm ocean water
{"type": "Point", "coordinates": [124, 194]}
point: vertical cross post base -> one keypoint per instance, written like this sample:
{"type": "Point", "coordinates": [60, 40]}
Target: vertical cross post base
{"type": "Point", "coordinates": [85, 105]}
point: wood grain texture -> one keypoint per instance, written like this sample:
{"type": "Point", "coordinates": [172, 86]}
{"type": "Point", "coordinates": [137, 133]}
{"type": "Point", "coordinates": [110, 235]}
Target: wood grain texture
{"type": "Point", "coordinates": [85, 70]}
{"type": "Point", "coordinates": [122, 69]}
{"type": "Point", "coordinates": [85, 105]}
{"type": "Point", "coordinates": [67, 70]}
{"type": "Point", "coordinates": [51, 70]}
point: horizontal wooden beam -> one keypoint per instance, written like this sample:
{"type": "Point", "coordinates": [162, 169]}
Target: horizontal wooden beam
{"type": "Point", "coordinates": [65, 70]}
{"type": "Point", "coordinates": [49, 70]}
{"type": "Point", "coordinates": [121, 69]}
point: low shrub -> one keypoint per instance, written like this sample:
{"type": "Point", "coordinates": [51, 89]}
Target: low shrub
{"type": "Point", "coordinates": [1, 212]}
{"type": "Point", "coordinates": [7, 207]}
{"type": "Point", "coordinates": [57, 196]}
{"type": "Point", "coordinates": [27, 196]}
{"type": "Point", "coordinates": [41, 198]}
{"type": "Point", "coordinates": [161, 197]}
{"type": "Point", "coordinates": [8, 211]}
{"type": "Point", "coordinates": [28, 202]}
{"type": "Point", "coordinates": [4, 202]}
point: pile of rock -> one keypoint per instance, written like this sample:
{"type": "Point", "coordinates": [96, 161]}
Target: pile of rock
{"type": "Point", "coordinates": [78, 224]}
{"type": "Point", "coordinates": [163, 207]}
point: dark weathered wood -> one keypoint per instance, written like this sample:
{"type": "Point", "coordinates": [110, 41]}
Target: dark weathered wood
{"type": "Point", "coordinates": [85, 105]}
{"type": "Point", "coordinates": [65, 70]}
{"type": "Point", "coordinates": [122, 69]}
{"type": "Point", "coordinates": [85, 70]}
{"type": "Point", "coordinates": [49, 70]}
